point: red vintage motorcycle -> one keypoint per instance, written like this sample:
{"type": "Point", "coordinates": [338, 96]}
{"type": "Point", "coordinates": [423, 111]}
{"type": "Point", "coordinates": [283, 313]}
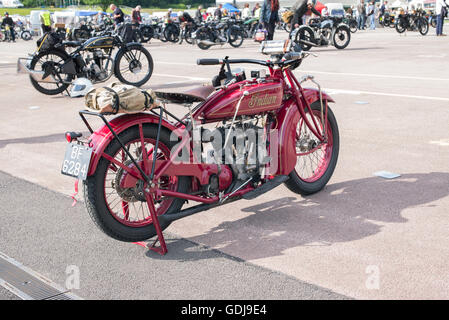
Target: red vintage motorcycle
{"type": "Point", "coordinates": [243, 138]}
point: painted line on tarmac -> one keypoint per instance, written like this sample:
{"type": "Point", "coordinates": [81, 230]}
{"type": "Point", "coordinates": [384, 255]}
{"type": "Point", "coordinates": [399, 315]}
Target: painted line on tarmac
{"type": "Point", "coordinates": [356, 92]}
{"type": "Point", "coordinates": [392, 76]}
{"type": "Point", "coordinates": [375, 75]}
{"type": "Point", "coordinates": [182, 77]}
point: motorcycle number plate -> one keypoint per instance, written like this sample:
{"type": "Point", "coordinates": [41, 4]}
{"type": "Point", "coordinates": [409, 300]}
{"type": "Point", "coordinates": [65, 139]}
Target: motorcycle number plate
{"type": "Point", "coordinates": [76, 161]}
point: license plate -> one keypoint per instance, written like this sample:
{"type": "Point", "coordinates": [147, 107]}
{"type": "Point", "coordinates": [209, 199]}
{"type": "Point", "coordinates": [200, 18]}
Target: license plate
{"type": "Point", "coordinates": [76, 161]}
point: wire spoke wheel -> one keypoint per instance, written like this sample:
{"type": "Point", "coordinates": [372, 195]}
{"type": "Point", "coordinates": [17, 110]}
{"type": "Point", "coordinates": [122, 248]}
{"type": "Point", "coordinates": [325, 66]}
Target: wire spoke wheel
{"type": "Point", "coordinates": [134, 66]}
{"type": "Point", "coordinates": [52, 62]}
{"type": "Point", "coordinates": [116, 200]}
{"type": "Point", "coordinates": [316, 160]}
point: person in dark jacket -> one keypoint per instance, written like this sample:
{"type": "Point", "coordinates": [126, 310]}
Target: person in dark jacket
{"type": "Point", "coordinates": [218, 14]}
{"type": "Point", "coordinates": [269, 16]}
{"type": "Point", "coordinates": [199, 14]}
{"type": "Point", "coordinates": [300, 8]}
{"type": "Point", "coordinates": [7, 21]}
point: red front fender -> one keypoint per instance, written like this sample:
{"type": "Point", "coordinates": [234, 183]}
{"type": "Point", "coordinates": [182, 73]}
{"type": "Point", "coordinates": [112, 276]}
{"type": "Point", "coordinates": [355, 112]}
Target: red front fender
{"type": "Point", "coordinates": [288, 118]}
{"type": "Point", "coordinates": [101, 138]}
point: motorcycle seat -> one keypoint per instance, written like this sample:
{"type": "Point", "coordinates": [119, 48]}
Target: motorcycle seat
{"type": "Point", "coordinates": [197, 94]}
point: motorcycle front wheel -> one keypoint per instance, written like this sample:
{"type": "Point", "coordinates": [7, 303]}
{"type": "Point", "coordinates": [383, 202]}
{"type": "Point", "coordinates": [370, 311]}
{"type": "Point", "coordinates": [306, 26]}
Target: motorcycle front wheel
{"type": "Point", "coordinates": [341, 37]}
{"type": "Point", "coordinates": [26, 35]}
{"type": "Point", "coordinates": [400, 26]}
{"type": "Point", "coordinates": [235, 37]}
{"type": "Point", "coordinates": [133, 65]}
{"type": "Point", "coordinates": [423, 26]}
{"type": "Point", "coordinates": [122, 213]}
{"type": "Point", "coordinates": [315, 162]}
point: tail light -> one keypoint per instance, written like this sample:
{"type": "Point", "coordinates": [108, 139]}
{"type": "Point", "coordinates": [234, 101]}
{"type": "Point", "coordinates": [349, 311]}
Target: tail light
{"type": "Point", "coordinates": [72, 136]}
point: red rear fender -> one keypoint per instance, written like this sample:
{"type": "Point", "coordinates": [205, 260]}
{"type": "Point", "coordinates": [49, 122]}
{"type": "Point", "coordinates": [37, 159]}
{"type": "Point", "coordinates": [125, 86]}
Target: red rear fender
{"type": "Point", "coordinates": [101, 138]}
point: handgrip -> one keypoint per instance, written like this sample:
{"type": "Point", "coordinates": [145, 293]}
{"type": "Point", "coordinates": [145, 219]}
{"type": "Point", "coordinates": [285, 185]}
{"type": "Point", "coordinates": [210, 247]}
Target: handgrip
{"type": "Point", "coordinates": [207, 62]}
{"type": "Point", "coordinates": [292, 55]}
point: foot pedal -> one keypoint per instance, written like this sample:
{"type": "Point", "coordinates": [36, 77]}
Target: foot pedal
{"type": "Point", "coordinates": [273, 183]}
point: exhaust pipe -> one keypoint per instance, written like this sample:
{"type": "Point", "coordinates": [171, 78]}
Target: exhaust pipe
{"type": "Point", "coordinates": [22, 67]}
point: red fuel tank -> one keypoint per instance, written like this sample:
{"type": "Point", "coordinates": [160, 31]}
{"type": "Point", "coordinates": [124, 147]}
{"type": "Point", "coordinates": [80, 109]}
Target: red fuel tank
{"type": "Point", "coordinates": [263, 96]}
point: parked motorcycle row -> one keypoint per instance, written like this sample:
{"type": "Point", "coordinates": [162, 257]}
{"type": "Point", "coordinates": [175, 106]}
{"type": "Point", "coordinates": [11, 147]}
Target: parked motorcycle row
{"type": "Point", "coordinates": [419, 21]}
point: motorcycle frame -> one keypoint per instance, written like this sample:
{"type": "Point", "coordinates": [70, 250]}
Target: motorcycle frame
{"type": "Point", "coordinates": [149, 172]}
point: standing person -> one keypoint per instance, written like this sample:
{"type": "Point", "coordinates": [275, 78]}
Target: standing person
{"type": "Point", "coordinates": [99, 19]}
{"type": "Point", "coordinates": [7, 21]}
{"type": "Point", "coordinates": [256, 10]}
{"type": "Point", "coordinates": [269, 16]}
{"type": "Point", "coordinates": [362, 15]}
{"type": "Point", "coordinates": [300, 8]}
{"type": "Point", "coordinates": [371, 15]}
{"type": "Point", "coordinates": [117, 15]}
{"type": "Point", "coordinates": [46, 21]}
{"type": "Point", "coordinates": [246, 12]}
{"type": "Point", "coordinates": [383, 7]}
{"type": "Point", "coordinates": [218, 14]}
{"type": "Point", "coordinates": [199, 14]}
{"type": "Point", "coordinates": [441, 8]}
{"type": "Point", "coordinates": [136, 18]}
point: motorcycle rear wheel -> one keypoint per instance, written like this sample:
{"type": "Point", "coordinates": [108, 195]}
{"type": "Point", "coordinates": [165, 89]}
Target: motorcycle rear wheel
{"type": "Point", "coordinates": [305, 34]}
{"type": "Point", "coordinates": [123, 214]}
{"type": "Point", "coordinates": [51, 55]}
{"type": "Point", "coordinates": [313, 171]}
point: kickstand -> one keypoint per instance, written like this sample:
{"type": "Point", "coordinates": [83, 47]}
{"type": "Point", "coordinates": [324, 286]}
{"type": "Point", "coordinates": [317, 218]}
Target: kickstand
{"type": "Point", "coordinates": [162, 249]}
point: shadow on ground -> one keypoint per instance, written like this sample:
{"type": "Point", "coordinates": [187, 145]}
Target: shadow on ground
{"type": "Point", "coordinates": [342, 212]}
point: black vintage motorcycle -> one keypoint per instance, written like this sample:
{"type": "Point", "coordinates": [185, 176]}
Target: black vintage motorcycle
{"type": "Point", "coordinates": [218, 33]}
{"type": "Point", "coordinates": [323, 32]}
{"type": "Point", "coordinates": [412, 22]}
{"type": "Point", "coordinates": [52, 68]}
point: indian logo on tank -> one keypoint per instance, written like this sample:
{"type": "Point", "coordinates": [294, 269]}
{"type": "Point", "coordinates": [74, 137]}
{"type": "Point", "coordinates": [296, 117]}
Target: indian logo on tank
{"type": "Point", "coordinates": [260, 100]}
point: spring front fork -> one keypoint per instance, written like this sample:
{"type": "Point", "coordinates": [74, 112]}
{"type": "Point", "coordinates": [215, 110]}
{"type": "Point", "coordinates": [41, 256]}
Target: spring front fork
{"type": "Point", "coordinates": [323, 115]}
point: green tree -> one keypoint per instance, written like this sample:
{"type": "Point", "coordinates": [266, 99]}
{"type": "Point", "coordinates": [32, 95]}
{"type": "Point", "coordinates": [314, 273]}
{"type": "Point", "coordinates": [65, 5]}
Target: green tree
{"type": "Point", "coordinates": [103, 4]}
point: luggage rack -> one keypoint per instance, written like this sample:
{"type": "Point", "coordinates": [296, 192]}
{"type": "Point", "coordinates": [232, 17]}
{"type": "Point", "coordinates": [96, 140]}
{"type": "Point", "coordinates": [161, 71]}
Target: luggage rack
{"type": "Point", "coordinates": [162, 248]}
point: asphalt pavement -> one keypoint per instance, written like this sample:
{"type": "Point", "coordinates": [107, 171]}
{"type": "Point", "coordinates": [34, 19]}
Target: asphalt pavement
{"type": "Point", "coordinates": [361, 237]}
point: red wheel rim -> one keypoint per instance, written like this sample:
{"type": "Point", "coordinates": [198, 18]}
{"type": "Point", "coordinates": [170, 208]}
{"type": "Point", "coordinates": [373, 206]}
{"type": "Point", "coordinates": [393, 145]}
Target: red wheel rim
{"type": "Point", "coordinates": [130, 212]}
{"type": "Point", "coordinates": [311, 165]}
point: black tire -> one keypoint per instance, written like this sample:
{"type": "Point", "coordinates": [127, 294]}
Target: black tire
{"type": "Point", "coordinates": [235, 37]}
{"type": "Point", "coordinates": [300, 186]}
{"type": "Point", "coordinates": [399, 25]}
{"type": "Point", "coordinates": [171, 33]}
{"type": "Point", "coordinates": [203, 34]}
{"type": "Point", "coordinates": [341, 37]}
{"type": "Point", "coordinates": [304, 33]}
{"type": "Point", "coordinates": [423, 26]}
{"type": "Point", "coordinates": [62, 86]}
{"type": "Point", "coordinates": [147, 33]}
{"type": "Point", "coordinates": [26, 35]}
{"type": "Point", "coordinates": [94, 194]}
{"type": "Point", "coordinates": [133, 64]}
